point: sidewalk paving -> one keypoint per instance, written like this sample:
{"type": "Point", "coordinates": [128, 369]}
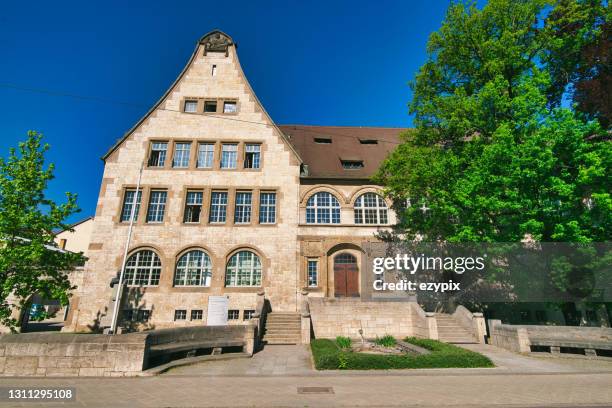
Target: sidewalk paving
{"type": "Point", "coordinates": [272, 377]}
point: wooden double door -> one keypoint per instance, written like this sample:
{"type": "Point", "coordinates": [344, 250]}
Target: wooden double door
{"type": "Point", "coordinates": [346, 276]}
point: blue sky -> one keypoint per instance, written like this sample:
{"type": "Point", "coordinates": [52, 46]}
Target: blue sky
{"type": "Point", "coordinates": [320, 63]}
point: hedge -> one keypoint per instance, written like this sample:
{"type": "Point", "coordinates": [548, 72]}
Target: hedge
{"type": "Point", "coordinates": [328, 356]}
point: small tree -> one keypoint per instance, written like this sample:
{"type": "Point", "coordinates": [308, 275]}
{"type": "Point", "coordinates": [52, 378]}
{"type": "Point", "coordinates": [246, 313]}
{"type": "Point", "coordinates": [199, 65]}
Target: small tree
{"type": "Point", "coordinates": [29, 260]}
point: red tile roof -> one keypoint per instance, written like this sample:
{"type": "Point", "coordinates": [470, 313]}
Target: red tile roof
{"type": "Point", "coordinates": [324, 160]}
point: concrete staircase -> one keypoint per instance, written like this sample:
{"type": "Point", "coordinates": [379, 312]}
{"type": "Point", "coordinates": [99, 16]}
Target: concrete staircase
{"type": "Point", "coordinates": [283, 328]}
{"type": "Point", "coordinates": [450, 331]}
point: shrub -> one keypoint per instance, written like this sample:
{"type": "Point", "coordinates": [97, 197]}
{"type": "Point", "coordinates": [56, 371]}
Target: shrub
{"type": "Point", "coordinates": [386, 341]}
{"type": "Point", "coordinates": [328, 356]}
{"type": "Point", "coordinates": [343, 342]}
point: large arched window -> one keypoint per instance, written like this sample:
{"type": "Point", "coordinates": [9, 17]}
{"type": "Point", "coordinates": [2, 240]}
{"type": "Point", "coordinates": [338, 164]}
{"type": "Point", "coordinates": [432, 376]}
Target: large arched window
{"type": "Point", "coordinates": [143, 269]}
{"type": "Point", "coordinates": [193, 269]}
{"type": "Point", "coordinates": [370, 208]}
{"type": "Point", "coordinates": [322, 208]}
{"type": "Point", "coordinates": [243, 269]}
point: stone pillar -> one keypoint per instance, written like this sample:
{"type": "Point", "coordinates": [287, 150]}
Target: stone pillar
{"type": "Point", "coordinates": [523, 341]}
{"type": "Point", "coordinates": [432, 325]}
{"type": "Point", "coordinates": [479, 326]}
{"type": "Point", "coordinates": [305, 317]}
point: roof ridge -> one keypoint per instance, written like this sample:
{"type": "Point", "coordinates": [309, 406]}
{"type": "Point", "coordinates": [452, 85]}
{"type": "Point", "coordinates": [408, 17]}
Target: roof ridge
{"type": "Point", "coordinates": [351, 127]}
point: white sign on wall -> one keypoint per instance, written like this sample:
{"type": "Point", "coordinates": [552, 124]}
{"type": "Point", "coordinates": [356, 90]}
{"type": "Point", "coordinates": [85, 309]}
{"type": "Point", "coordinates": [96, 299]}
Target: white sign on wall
{"type": "Point", "coordinates": [217, 311]}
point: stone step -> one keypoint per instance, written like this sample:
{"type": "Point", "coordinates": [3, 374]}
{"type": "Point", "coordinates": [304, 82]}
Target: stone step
{"type": "Point", "coordinates": [282, 319]}
{"type": "Point", "coordinates": [461, 339]}
{"type": "Point", "coordinates": [283, 330]}
{"type": "Point", "coordinates": [282, 339]}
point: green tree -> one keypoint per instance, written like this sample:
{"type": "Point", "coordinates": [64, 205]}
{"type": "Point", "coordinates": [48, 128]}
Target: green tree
{"type": "Point", "coordinates": [29, 261]}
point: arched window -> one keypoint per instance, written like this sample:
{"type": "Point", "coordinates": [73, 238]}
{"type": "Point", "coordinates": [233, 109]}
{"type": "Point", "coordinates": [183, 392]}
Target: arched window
{"type": "Point", "coordinates": [243, 269]}
{"type": "Point", "coordinates": [143, 269]}
{"type": "Point", "coordinates": [370, 208]}
{"type": "Point", "coordinates": [193, 269]}
{"type": "Point", "coordinates": [322, 208]}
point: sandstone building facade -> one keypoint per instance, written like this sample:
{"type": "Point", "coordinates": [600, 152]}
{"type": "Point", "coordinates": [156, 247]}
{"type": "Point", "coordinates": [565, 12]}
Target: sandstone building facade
{"type": "Point", "coordinates": [229, 204]}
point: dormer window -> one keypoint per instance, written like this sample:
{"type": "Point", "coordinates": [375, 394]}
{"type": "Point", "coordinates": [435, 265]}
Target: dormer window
{"type": "Point", "coordinates": [368, 141]}
{"type": "Point", "coordinates": [210, 106]}
{"type": "Point", "coordinates": [322, 140]}
{"type": "Point", "coordinates": [352, 164]}
{"type": "Point", "coordinates": [229, 107]}
{"type": "Point", "coordinates": [191, 106]}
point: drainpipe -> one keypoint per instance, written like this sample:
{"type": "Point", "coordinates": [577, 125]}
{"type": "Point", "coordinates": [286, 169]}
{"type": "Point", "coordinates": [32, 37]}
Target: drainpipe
{"type": "Point", "coordinates": [113, 328]}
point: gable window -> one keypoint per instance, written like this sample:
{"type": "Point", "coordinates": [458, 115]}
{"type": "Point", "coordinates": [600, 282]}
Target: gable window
{"type": "Point", "coordinates": [128, 203]}
{"type": "Point", "coordinates": [210, 106]}
{"type": "Point", "coordinates": [143, 269]}
{"type": "Point", "coordinates": [218, 207]}
{"type": "Point", "coordinates": [370, 208]}
{"type": "Point", "coordinates": [193, 206]}
{"type": "Point", "coordinates": [322, 208]}
{"type": "Point", "coordinates": [181, 155]}
{"type": "Point", "coordinates": [193, 269]}
{"type": "Point", "coordinates": [229, 107]}
{"type": "Point", "coordinates": [313, 273]}
{"type": "Point", "coordinates": [180, 314]}
{"type": "Point", "coordinates": [229, 154]}
{"type": "Point", "coordinates": [206, 153]}
{"type": "Point", "coordinates": [158, 154]}
{"type": "Point", "coordinates": [243, 269]}
{"type": "Point", "coordinates": [157, 206]}
{"type": "Point", "coordinates": [323, 140]}
{"type": "Point", "coordinates": [196, 314]}
{"type": "Point", "coordinates": [267, 207]}
{"type": "Point", "coordinates": [252, 154]}
{"type": "Point", "coordinates": [242, 212]}
{"type": "Point", "coordinates": [191, 106]}
{"type": "Point", "coordinates": [352, 164]}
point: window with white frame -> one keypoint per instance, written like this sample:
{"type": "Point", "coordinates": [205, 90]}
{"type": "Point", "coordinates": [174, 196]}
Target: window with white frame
{"type": "Point", "coordinates": [267, 207]}
{"type": "Point", "coordinates": [248, 314]}
{"type": "Point", "coordinates": [242, 210]}
{"type": "Point", "coordinates": [243, 269]}
{"type": "Point", "coordinates": [143, 269]}
{"type": "Point", "coordinates": [206, 152]}
{"type": "Point", "coordinates": [157, 206]}
{"type": "Point", "coordinates": [252, 156]}
{"type": "Point", "coordinates": [193, 206]}
{"type": "Point", "coordinates": [210, 106]}
{"type": "Point", "coordinates": [218, 207]}
{"type": "Point", "coordinates": [157, 156]}
{"type": "Point", "coordinates": [370, 208]}
{"type": "Point", "coordinates": [181, 155]}
{"type": "Point", "coordinates": [180, 314]}
{"type": "Point", "coordinates": [229, 154]}
{"type": "Point", "coordinates": [233, 314]}
{"type": "Point", "coordinates": [128, 204]}
{"type": "Point", "coordinates": [191, 106]}
{"type": "Point", "coordinates": [313, 273]}
{"type": "Point", "coordinates": [229, 107]}
{"type": "Point", "coordinates": [196, 314]}
{"type": "Point", "coordinates": [193, 269]}
{"type": "Point", "coordinates": [322, 208]}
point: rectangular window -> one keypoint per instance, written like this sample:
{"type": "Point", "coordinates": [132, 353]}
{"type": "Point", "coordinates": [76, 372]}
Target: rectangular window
{"type": "Point", "coordinates": [158, 154]}
{"type": "Point", "coordinates": [313, 272]}
{"type": "Point", "coordinates": [214, 70]}
{"type": "Point", "coordinates": [242, 212]}
{"type": "Point", "coordinates": [157, 206]}
{"type": "Point", "coordinates": [193, 206]}
{"type": "Point", "coordinates": [210, 106]}
{"type": "Point", "coordinates": [128, 202]}
{"type": "Point", "coordinates": [206, 152]}
{"type": "Point", "coordinates": [181, 155]}
{"type": "Point", "coordinates": [368, 141]}
{"type": "Point", "coordinates": [196, 314]}
{"type": "Point", "coordinates": [352, 164]}
{"type": "Point", "coordinates": [229, 107]}
{"type": "Point", "coordinates": [267, 208]}
{"type": "Point", "coordinates": [233, 314]}
{"type": "Point", "coordinates": [143, 315]}
{"type": "Point", "coordinates": [248, 314]}
{"type": "Point", "coordinates": [191, 106]}
{"type": "Point", "coordinates": [252, 155]}
{"type": "Point", "coordinates": [218, 206]}
{"type": "Point", "coordinates": [180, 314]}
{"type": "Point", "coordinates": [229, 154]}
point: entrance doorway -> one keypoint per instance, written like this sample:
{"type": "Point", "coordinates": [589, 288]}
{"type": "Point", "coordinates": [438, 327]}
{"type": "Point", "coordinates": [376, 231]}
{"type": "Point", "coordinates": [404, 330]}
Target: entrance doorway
{"type": "Point", "coordinates": [346, 276]}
